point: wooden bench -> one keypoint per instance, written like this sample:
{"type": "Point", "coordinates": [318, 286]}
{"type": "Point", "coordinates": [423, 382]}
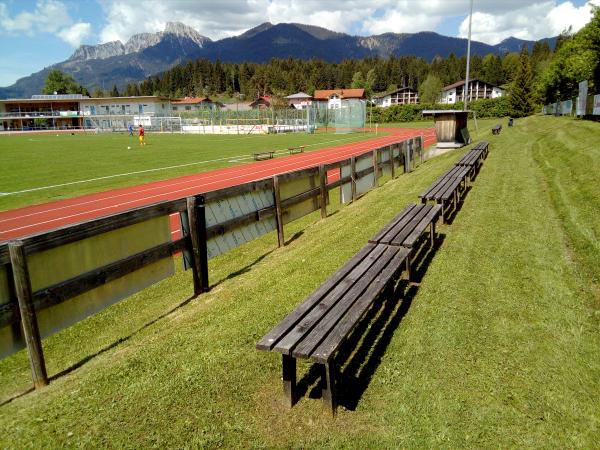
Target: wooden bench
{"type": "Point", "coordinates": [406, 229]}
{"type": "Point", "coordinates": [263, 155]}
{"type": "Point", "coordinates": [293, 150]}
{"type": "Point", "coordinates": [483, 146]}
{"type": "Point", "coordinates": [496, 129]}
{"type": "Point", "coordinates": [444, 191]}
{"type": "Point", "coordinates": [472, 159]}
{"type": "Point", "coordinates": [321, 324]}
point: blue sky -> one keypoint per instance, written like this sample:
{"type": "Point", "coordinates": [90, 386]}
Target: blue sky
{"type": "Point", "coordinates": [37, 33]}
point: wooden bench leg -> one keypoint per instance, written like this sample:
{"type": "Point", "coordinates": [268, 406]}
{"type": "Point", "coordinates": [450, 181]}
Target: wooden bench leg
{"type": "Point", "coordinates": [408, 267]}
{"type": "Point", "coordinates": [289, 380]}
{"type": "Point", "coordinates": [329, 386]}
{"type": "Point", "coordinates": [432, 233]}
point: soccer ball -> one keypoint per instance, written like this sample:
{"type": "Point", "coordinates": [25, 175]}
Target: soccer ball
{"type": "Point", "coordinates": [128, 148]}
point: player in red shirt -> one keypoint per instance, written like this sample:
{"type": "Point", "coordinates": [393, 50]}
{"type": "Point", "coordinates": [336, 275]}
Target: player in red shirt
{"type": "Point", "coordinates": [141, 135]}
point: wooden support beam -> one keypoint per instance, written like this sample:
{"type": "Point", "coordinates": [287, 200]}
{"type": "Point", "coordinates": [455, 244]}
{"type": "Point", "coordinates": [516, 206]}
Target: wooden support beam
{"type": "Point", "coordinates": [29, 323]}
{"type": "Point", "coordinates": [197, 221]}
{"type": "Point", "coordinates": [324, 193]}
{"type": "Point", "coordinates": [353, 176]}
{"type": "Point", "coordinates": [375, 170]}
{"type": "Point", "coordinates": [203, 245]}
{"type": "Point", "coordinates": [289, 380]}
{"type": "Point", "coordinates": [278, 212]}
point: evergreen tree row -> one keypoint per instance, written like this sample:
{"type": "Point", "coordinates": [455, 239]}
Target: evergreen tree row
{"type": "Point", "coordinates": [281, 77]}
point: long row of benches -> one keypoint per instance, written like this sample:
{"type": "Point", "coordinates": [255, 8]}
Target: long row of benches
{"type": "Point", "coordinates": [319, 326]}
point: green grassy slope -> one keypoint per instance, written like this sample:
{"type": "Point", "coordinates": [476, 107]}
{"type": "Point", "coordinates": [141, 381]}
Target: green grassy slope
{"type": "Point", "coordinates": [499, 346]}
{"type": "Point", "coordinates": [46, 160]}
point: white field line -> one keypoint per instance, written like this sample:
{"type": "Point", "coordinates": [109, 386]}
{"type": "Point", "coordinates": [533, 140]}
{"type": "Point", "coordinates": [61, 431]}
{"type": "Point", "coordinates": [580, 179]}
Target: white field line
{"type": "Point", "coordinates": [256, 174]}
{"type": "Point", "coordinates": [203, 185]}
{"type": "Point", "coordinates": [107, 177]}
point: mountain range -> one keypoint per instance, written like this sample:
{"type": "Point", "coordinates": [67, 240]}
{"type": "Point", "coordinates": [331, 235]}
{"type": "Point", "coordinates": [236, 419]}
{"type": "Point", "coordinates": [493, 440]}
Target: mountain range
{"type": "Point", "coordinates": [145, 54]}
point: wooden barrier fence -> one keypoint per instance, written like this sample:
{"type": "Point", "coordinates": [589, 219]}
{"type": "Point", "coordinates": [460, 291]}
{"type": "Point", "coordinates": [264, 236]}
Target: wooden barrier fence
{"type": "Point", "coordinates": [212, 223]}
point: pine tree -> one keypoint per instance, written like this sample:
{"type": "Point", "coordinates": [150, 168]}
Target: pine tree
{"type": "Point", "coordinates": [521, 96]}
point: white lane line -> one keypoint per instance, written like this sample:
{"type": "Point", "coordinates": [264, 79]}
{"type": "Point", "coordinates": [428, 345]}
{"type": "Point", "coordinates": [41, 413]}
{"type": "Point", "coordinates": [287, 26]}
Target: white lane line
{"type": "Point", "coordinates": [206, 176]}
{"type": "Point", "coordinates": [255, 175]}
{"type": "Point", "coordinates": [118, 175]}
{"type": "Point", "coordinates": [162, 194]}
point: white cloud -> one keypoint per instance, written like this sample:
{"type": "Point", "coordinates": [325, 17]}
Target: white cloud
{"type": "Point", "coordinates": [76, 34]}
{"type": "Point", "coordinates": [48, 16]}
{"type": "Point", "coordinates": [534, 21]}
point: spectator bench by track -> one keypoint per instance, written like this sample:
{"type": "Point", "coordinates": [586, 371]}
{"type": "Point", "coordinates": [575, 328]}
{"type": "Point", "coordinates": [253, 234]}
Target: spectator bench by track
{"type": "Point", "coordinates": [323, 322]}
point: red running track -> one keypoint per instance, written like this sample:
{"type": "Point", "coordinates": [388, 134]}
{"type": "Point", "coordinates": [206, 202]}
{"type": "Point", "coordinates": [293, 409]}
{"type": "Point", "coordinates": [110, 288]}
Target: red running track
{"type": "Point", "coordinates": [38, 218]}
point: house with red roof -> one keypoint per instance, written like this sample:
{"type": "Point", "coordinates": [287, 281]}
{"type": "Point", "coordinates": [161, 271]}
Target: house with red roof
{"type": "Point", "coordinates": [262, 102]}
{"type": "Point", "coordinates": [334, 97]}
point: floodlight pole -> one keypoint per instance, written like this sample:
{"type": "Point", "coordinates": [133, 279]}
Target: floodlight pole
{"type": "Point", "coordinates": [466, 89]}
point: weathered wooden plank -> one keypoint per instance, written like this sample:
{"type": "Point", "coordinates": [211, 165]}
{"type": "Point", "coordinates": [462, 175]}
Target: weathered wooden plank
{"type": "Point", "coordinates": [353, 175]}
{"type": "Point", "coordinates": [60, 292]}
{"type": "Point", "coordinates": [290, 321]}
{"type": "Point", "coordinates": [4, 256]}
{"type": "Point", "coordinates": [29, 324]}
{"type": "Point", "coordinates": [238, 222]}
{"type": "Point", "coordinates": [327, 348]}
{"type": "Point", "coordinates": [328, 320]}
{"type": "Point", "coordinates": [233, 191]}
{"type": "Point", "coordinates": [202, 244]}
{"type": "Point", "coordinates": [71, 233]}
{"type": "Point", "coordinates": [391, 224]}
{"type": "Point", "coordinates": [192, 214]}
{"type": "Point", "coordinates": [403, 227]}
{"type": "Point", "coordinates": [312, 193]}
{"type": "Point", "coordinates": [278, 212]}
{"type": "Point", "coordinates": [324, 192]}
{"type": "Point", "coordinates": [310, 171]}
{"type": "Point", "coordinates": [339, 182]}
{"type": "Point", "coordinates": [429, 218]}
{"type": "Point", "coordinates": [410, 226]}
{"type": "Point", "coordinates": [308, 322]}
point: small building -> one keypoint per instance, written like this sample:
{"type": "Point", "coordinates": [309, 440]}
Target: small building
{"type": "Point", "coordinates": [189, 104]}
{"type": "Point", "coordinates": [477, 90]}
{"type": "Point", "coordinates": [300, 100]}
{"type": "Point", "coordinates": [402, 96]}
{"type": "Point", "coordinates": [263, 102]}
{"type": "Point", "coordinates": [334, 97]}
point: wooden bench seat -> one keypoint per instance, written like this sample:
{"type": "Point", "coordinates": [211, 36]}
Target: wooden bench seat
{"type": "Point", "coordinates": [445, 192]}
{"type": "Point", "coordinates": [407, 228]}
{"type": "Point", "coordinates": [263, 155]}
{"type": "Point", "coordinates": [299, 149]}
{"type": "Point", "coordinates": [483, 146]}
{"type": "Point", "coordinates": [472, 159]}
{"type": "Point", "coordinates": [319, 326]}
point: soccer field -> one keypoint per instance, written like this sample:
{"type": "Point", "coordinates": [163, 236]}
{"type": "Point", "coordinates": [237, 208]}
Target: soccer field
{"type": "Point", "coordinates": [42, 168]}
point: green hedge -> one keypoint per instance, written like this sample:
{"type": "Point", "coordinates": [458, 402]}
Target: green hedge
{"type": "Point", "coordinates": [493, 107]}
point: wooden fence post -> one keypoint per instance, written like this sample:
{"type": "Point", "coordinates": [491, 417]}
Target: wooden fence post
{"type": "Point", "coordinates": [197, 221]}
{"type": "Point", "coordinates": [392, 160]}
{"type": "Point", "coordinates": [375, 169]}
{"type": "Point", "coordinates": [353, 177]}
{"type": "Point", "coordinates": [28, 318]}
{"type": "Point", "coordinates": [203, 245]}
{"type": "Point", "coordinates": [278, 212]}
{"type": "Point", "coordinates": [324, 193]}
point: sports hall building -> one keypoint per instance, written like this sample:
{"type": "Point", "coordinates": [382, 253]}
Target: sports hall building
{"type": "Point", "coordinates": [76, 111]}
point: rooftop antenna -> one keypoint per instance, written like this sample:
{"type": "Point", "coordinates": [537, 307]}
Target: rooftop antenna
{"type": "Point", "coordinates": [466, 89]}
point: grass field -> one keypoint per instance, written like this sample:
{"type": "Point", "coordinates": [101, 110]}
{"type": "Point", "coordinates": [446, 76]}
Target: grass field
{"type": "Point", "coordinates": [46, 160]}
{"type": "Point", "coordinates": [499, 345]}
